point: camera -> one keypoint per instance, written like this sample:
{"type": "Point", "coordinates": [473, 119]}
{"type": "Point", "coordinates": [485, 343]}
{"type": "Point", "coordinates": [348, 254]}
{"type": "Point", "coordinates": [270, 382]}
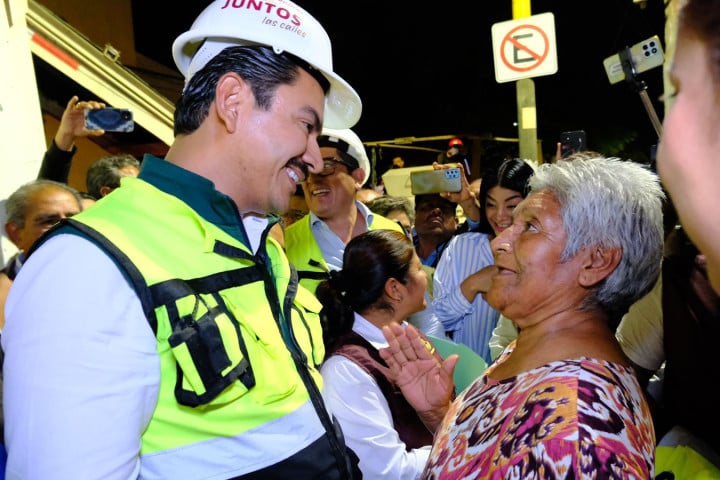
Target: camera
{"type": "Point", "coordinates": [109, 119]}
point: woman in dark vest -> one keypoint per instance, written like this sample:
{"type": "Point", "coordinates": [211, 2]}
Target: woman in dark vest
{"type": "Point", "coordinates": [382, 281]}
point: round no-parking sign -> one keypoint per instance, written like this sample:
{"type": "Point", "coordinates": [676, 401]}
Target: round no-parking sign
{"type": "Point", "coordinates": [524, 48]}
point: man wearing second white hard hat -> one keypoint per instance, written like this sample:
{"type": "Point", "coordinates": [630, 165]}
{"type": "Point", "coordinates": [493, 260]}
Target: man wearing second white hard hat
{"type": "Point", "coordinates": [162, 333]}
{"type": "Point", "coordinates": [315, 244]}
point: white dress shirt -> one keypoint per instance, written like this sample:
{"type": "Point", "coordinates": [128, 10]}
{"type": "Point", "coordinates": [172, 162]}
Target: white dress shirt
{"type": "Point", "coordinates": [86, 422]}
{"type": "Point", "coordinates": [354, 397]}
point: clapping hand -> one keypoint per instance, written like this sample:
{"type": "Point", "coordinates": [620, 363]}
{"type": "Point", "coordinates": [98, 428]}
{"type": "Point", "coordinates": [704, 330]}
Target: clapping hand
{"type": "Point", "coordinates": [426, 384]}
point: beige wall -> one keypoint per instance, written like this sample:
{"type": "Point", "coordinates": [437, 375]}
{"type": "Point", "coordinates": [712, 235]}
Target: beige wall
{"type": "Point", "coordinates": [103, 22]}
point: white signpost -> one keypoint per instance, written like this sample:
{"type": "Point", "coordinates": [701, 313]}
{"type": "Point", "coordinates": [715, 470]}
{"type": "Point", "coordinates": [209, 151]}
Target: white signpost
{"type": "Point", "coordinates": [524, 48]}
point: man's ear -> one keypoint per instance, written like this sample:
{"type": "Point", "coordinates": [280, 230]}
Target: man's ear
{"type": "Point", "coordinates": [14, 233]}
{"type": "Point", "coordinates": [231, 94]}
{"type": "Point", "coordinates": [598, 264]}
{"type": "Point", "coordinates": [104, 190]}
{"type": "Point", "coordinates": [358, 175]}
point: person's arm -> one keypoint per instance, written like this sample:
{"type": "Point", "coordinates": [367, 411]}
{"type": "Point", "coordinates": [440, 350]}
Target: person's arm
{"type": "Point", "coordinates": [56, 163]}
{"type": "Point", "coordinates": [461, 274]}
{"type": "Point", "coordinates": [355, 399]}
{"type": "Point", "coordinates": [58, 157]}
{"type": "Point", "coordinates": [5, 284]}
{"type": "Point", "coordinates": [81, 371]}
{"type": "Point", "coordinates": [640, 334]}
{"type": "Point", "coordinates": [426, 384]}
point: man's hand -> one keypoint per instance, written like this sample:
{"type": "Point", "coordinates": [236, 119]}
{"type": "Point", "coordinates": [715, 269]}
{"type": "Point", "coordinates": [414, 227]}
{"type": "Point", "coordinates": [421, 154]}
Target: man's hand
{"type": "Point", "coordinates": [72, 123]}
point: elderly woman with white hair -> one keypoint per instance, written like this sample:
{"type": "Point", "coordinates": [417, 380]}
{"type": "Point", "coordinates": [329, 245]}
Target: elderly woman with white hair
{"type": "Point", "coordinates": [562, 400]}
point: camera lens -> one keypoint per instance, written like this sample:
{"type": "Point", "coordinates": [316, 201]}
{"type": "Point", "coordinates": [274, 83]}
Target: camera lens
{"type": "Point", "coordinates": [125, 115]}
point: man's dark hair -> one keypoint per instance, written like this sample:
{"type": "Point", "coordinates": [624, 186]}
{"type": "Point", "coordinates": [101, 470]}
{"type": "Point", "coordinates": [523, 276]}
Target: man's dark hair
{"type": "Point", "coordinates": [262, 68]}
{"type": "Point", "coordinates": [105, 172]}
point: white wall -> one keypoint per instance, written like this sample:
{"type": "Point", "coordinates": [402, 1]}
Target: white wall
{"type": "Point", "coordinates": [23, 140]}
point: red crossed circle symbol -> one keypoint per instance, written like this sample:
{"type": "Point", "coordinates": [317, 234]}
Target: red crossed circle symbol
{"type": "Point", "coordinates": [539, 58]}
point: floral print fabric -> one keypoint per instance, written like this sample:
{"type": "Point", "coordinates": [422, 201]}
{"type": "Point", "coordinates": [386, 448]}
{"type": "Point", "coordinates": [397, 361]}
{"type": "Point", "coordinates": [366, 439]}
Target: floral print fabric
{"type": "Point", "coordinates": [571, 419]}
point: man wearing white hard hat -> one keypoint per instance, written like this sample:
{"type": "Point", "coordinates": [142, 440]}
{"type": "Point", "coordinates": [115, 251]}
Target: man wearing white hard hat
{"type": "Point", "coordinates": [162, 333]}
{"type": "Point", "coordinates": [315, 244]}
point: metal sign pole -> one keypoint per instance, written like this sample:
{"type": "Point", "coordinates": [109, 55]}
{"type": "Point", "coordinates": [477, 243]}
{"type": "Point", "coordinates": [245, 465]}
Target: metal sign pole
{"type": "Point", "coordinates": [628, 66]}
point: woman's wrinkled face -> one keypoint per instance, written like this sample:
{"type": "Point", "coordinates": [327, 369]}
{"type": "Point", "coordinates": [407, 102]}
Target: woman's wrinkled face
{"type": "Point", "coordinates": [532, 280]}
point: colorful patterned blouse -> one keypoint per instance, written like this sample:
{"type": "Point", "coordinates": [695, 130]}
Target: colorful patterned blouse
{"type": "Point", "coordinates": [572, 419]}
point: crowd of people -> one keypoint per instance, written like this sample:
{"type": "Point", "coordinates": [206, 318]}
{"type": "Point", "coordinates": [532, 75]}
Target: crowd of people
{"type": "Point", "coordinates": [249, 307]}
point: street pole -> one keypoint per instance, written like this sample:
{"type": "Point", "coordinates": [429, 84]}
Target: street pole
{"type": "Point", "coordinates": [525, 93]}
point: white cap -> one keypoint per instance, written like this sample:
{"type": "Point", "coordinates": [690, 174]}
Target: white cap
{"type": "Point", "coordinates": [282, 25]}
{"type": "Point", "coordinates": [347, 141]}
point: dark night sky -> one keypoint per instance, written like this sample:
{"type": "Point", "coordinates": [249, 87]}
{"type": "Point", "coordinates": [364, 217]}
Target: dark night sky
{"type": "Point", "coordinates": [428, 70]}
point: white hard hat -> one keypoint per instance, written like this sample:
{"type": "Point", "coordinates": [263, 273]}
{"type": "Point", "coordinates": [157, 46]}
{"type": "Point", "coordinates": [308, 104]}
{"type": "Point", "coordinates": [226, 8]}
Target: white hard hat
{"type": "Point", "coordinates": [281, 25]}
{"type": "Point", "coordinates": [347, 141]}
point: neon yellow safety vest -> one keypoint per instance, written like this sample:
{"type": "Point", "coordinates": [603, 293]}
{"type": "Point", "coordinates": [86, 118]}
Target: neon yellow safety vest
{"type": "Point", "coordinates": [223, 323]}
{"type": "Point", "coordinates": [304, 253]}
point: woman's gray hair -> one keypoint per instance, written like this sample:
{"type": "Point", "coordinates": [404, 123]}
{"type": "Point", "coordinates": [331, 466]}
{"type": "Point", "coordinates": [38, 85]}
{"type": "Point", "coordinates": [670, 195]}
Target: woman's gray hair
{"type": "Point", "coordinates": [608, 202]}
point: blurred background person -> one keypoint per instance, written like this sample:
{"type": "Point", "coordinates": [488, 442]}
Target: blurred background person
{"type": "Point", "coordinates": [399, 209]}
{"type": "Point", "coordinates": [58, 157]}
{"type": "Point", "coordinates": [367, 194]}
{"type": "Point", "coordinates": [105, 173]}
{"type": "Point", "coordinates": [670, 335]}
{"type": "Point", "coordinates": [455, 153]}
{"type": "Point", "coordinates": [31, 210]}
{"type": "Point", "coordinates": [687, 153]}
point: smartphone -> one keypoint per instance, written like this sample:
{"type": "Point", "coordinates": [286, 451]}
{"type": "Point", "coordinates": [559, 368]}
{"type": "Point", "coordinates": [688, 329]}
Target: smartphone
{"type": "Point", "coordinates": [109, 119]}
{"type": "Point", "coordinates": [572, 141]}
{"type": "Point", "coordinates": [645, 55]}
{"type": "Point", "coordinates": [435, 181]}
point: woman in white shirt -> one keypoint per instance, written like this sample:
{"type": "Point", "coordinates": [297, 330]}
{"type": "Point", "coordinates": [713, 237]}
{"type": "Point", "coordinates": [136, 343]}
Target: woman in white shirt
{"type": "Point", "coordinates": [382, 281]}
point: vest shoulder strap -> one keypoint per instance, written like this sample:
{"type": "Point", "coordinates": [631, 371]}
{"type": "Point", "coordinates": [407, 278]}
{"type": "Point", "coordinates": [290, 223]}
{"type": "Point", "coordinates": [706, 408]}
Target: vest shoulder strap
{"type": "Point", "coordinates": [127, 267]}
